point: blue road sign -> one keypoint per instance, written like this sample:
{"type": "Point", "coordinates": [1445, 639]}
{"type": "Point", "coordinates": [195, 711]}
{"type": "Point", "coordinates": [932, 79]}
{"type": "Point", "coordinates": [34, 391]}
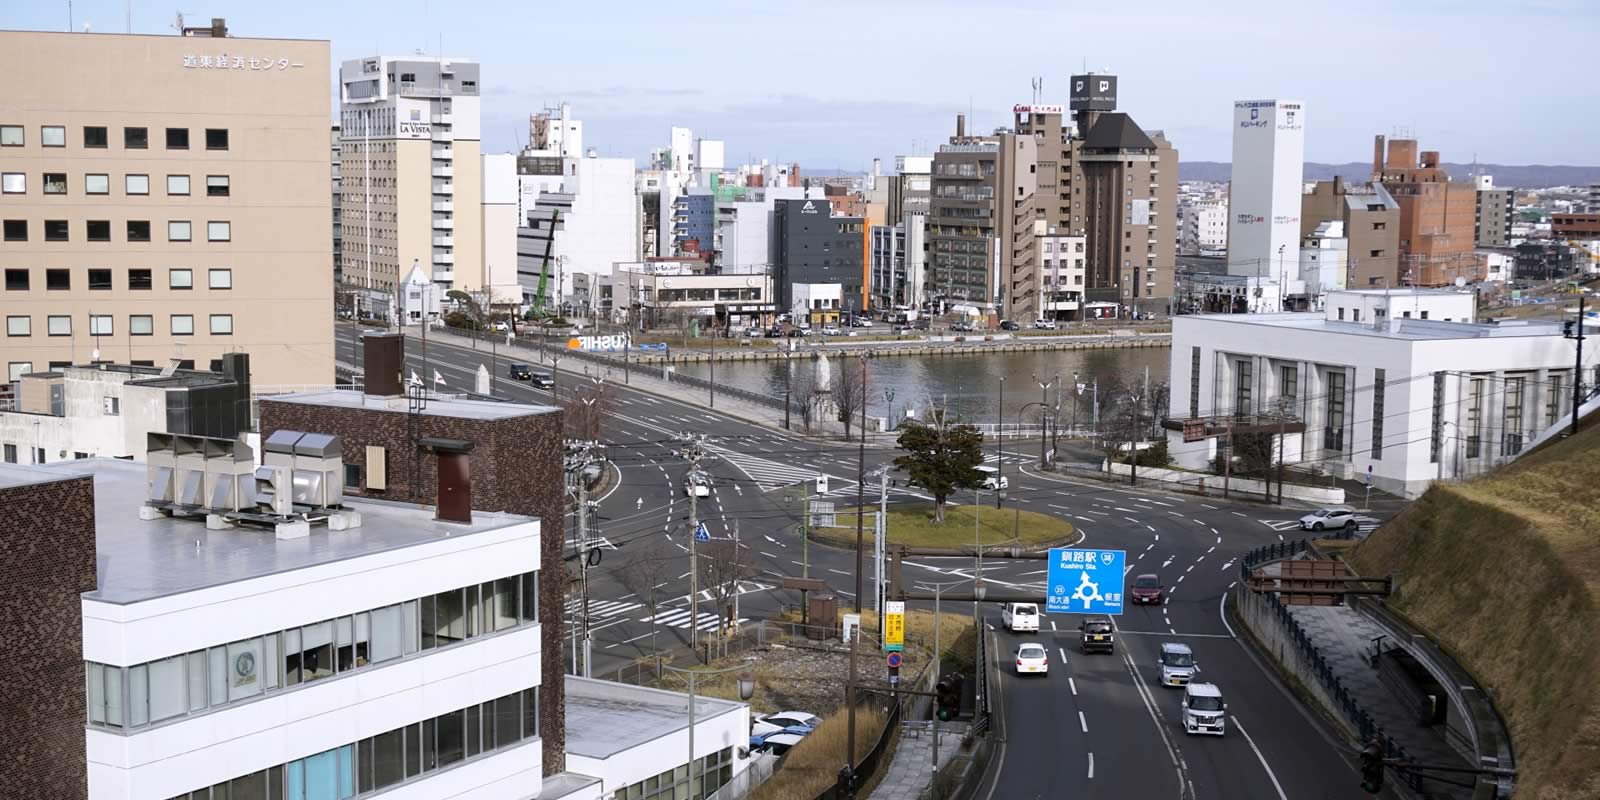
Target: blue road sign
{"type": "Point", "coordinates": [701, 534]}
{"type": "Point", "coordinates": [1083, 581]}
{"type": "Point", "coordinates": [894, 660]}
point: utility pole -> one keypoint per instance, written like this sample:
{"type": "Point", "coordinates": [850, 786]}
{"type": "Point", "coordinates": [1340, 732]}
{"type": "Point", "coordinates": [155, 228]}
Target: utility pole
{"type": "Point", "coordinates": [693, 451]}
{"type": "Point", "coordinates": [861, 480]}
{"type": "Point", "coordinates": [1577, 367]}
{"type": "Point", "coordinates": [1133, 442]}
{"type": "Point", "coordinates": [583, 567]}
{"type": "Point", "coordinates": [1000, 443]}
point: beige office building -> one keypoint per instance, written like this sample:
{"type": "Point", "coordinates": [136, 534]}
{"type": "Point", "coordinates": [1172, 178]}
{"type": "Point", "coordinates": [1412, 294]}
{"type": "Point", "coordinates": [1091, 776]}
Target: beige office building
{"type": "Point", "coordinates": [165, 197]}
{"type": "Point", "coordinates": [412, 176]}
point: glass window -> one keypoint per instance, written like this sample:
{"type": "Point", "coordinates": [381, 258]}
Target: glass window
{"type": "Point", "coordinates": [244, 665]}
{"type": "Point", "coordinates": [427, 612]}
{"type": "Point", "coordinates": [177, 138]}
{"type": "Point", "coordinates": [139, 279]}
{"type": "Point", "coordinates": [11, 136]}
{"type": "Point", "coordinates": [94, 136]}
{"type": "Point", "coordinates": [136, 184]}
{"type": "Point", "coordinates": [100, 325]}
{"type": "Point", "coordinates": [217, 660]}
{"type": "Point", "coordinates": [16, 280]}
{"type": "Point", "coordinates": [57, 280]}
{"type": "Point", "coordinates": [138, 230]}
{"type": "Point", "coordinates": [138, 696]}
{"type": "Point", "coordinates": [316, 651]}
{"type": "Point", "coordinates": [220, 278]}
{"type": "Point", "coordinates": [270, 661]}
{"type": "Point", "coordinates": [364, 761]}
{"type": "Point", "coordinates": [451, 738]}
{"type": "Point", "coordinates": [167, 689]}
{"type": "Point", "coordinates": [55, 183]}
{"type": "Point", "coordinates": [55, 230]}
{"type": "Point", "coordinates": [141, 325]}
{"type": "Point", "coordinates": [197, 680]}
{"type": "Point", "coordinates": [98, 230]}
{"type": "Point", "coordinates": [95, 682]}
{"type": "Point", "coordinates": [178, 231]}
{"type": "Point", "coordinates": [19, 326]}
{"type": "Point", "coordinates": [408, 613]}
{"type": "Point", "coordinates": [59, 325]}
{"type": "Point", "coordinates": [291, 657]}
{"type": "Point", "coordinates": [413, 750]}
{"type": "Point", "coordinates": [450, 616]}
{"type": "Point", "coordinates": [388, 758]}
{"type": "Point", "coordinates": [53, 136]}
{"type": "Point", "coordinates": [430, 752]}
{"type": "Point", "coordinates": [530, 596]}
{"type": "Point", "coordinates": [16, 230]}
{"type": "Point", "coordinates": [387, 636]}
{"type": "Point", "coordinates": [13, 182]}
{"type": "Point", "coordinates": [474, 731]}
{"type": "Point", "coordinates": [221, 324]}
{"type": "Point", "coordinates": [249, 787]}
{"type": "Point", "coordinates": [217, 186]}
{"type": "Point", "coordinates": [216, 138]}
{"type": "Point", "coordinates": [96, 184]}
{"type": "Point", "coordinates": [178, 184]}
{"type": "Point", "coordinates": [180, 279]}
{"type": "Point", "coordinates": [219, 231]}
{"type": "Point", "coordinates": [505, 603]}
{"type": "Point", "coordinates": [530, 712]}
{"type": "Point", "coordinates": [182, 325]}
{"type": "Point", "coordinates": [474, 617]}
{"type": "Point", "coordinates": [508, 720]}
{"type": "Point", "coordinates": [135, 138]}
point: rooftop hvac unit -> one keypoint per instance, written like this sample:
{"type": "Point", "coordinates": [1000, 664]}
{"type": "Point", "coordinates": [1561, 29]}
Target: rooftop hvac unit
{"type": "Point", "coordinates": [229, 475]}
{"type": "Point", "coordinates": [314, 461]}
{"type": "Point", "coordinates": [160, 462]}
{"type": "Point", "coordinates": [273, 491]}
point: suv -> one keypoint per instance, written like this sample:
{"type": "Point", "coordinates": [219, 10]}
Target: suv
{"type": "Point", "coordinates": [521, 372]}
{"type": "Point", "coordinates": [1020, 617]}
{"type": "Point", "coordinates": [542, 380]}
{"type": "Point", "coordinates": [1325, 518]}
{"type": "Point", "coordinates": [1177, 664]}
{"type": "Point", "coordinates": [1146, 589]}
{"type": "Point", "coordinates": [1044, 324]}
{"type": "Point", "coordinates": [1008, 325]}
{"type": "Point", "coordinates": [1098, 635]}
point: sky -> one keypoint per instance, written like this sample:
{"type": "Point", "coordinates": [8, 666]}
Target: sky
{"type": "Point", "coordinates": [834, 83]}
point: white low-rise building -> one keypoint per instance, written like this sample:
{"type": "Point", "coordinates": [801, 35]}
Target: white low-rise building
{"type": "Point", "coordinates": [1324, 262]}
{"type": "Point", "coordinates": [815, 303]}
{"type": "Point", "coordinates": [635, 740]}
{"type": "Point", "coordinates": [1403, 385]}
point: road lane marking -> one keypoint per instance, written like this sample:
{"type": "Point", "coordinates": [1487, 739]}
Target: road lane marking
{"type": "Point", "coordinates": [1213, 508]}
{"type": "Point", "coordinates": [1178, 764]}
{"type": "Point", "coordinates": [772, 556]}
{"type": "Point", "coordinates": [1148, 546]}
{"type": "Point", "coordinates": [1261, 758]}
{"type": "Point", "coordinates": [837, 571]}
{"type": "Point", "coordinates": [1214, 530]}
{"type": "Point", "coordinates": [1083, 722]}
{"type": "Point", "coordinates": [1152, 528]}
{"type": "Point", "coordinates": [1181, 577]}
{"type": "Point", "coordinates": [1227, 565]}
{"type": "Point", "coordinates": [1185, 635]}
{"type": "Point", "coordinates": [1052, 625]}
{"type": "Point", "coordinates": [1166, 563]}
{"type": "Point", "coordinates": [1190, 569]}
{"type": "Point", "coordinates": [1237, 514]}
{"type": "Point", "coordinates": [1209, 549]}
{"type": "Point", "coordinates": [1063, 508]}
{"type": "Point", "coordinates": [1091, 763]}
{"type": "Point", "coordinates": [1073, 685]}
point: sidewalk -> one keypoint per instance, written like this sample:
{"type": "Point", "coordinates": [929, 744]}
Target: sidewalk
{"type": "Point", "coordinates": [912, 769]}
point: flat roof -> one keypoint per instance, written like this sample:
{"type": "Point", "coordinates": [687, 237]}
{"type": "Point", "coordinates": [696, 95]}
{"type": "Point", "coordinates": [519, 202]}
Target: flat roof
{"type": "Point", "coordinates": [438, 406]}
{"type": "Point", "coordinates": [1404, 291]}
{"type": "Point", "coordinates": [144, 559]}
{"type": "Point", "coordinates": [16, 475]}
{"type": "Point", "coordinates": [1399, 329]}
{"type": "Point", "coordinates": [605, 718]}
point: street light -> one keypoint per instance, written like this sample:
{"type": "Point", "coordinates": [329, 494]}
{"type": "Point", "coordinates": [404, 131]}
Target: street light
{"type": "Point", "coordinates": [745, 683]}
{"type": "Point", "coordinates": [888, 400]}
{"type": "Point", "coordinates": [1283, 282]}
{"type": "Point", "coordinates": [1044, 400]}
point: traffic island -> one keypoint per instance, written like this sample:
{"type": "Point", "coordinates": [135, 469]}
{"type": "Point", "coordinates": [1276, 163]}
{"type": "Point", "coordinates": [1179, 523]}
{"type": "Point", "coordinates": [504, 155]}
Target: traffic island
{"type": "Point", "coordinates": [914, 526]}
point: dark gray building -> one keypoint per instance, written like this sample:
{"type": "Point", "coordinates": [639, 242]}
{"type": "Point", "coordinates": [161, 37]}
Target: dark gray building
{"type": "Point", "coordinates": [1494, 217]}
{"type": "Point", "coordinates": [813, 246]}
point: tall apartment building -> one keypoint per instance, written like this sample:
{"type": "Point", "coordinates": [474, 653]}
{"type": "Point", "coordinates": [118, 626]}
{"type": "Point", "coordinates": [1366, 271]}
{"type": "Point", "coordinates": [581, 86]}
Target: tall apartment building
{"type": "Point", "coordinates": [1371, 222]}
{"type": "Point", "coordinates": [338, 225]}
{"type": "Point", "coordinates": [910, 190]}
{"type": "Point", "coordinates": [166, 197]}
{"type": "Point", "coordinates": [1438, 229]}
{"type": "Point", "coordinates": [980, 222]}
{"type": "Point", "coordinates": [1116, 186]}
{"type": "Point", "coordinates": [1203, 227]}
{"type": "Point", "coordinates": [899, 264]}
{"type": "Point", "coordinates": [1269, 144]}
{"type": "Point", "coordinates": [412, 174]}
{"type": "Point", "coordinates": [813, 247]}
{"type": "Point", "coordinates": [1493, 216]}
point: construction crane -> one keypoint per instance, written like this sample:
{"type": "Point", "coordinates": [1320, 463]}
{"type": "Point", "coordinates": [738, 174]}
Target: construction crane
{"type": "Point", "coordinates": [541, 298]}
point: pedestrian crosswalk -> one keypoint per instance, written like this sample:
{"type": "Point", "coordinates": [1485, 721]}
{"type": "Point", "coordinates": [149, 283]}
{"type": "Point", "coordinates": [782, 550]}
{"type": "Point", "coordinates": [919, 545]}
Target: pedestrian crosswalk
{"type": "Point", "coordinates": [1363, 524]}
{"type": "Point", "coordinates": [600, 609]}
{"type": "Point", "coordinates": [767, 474]}
{"type": "Point", "coordinates": [1010, 458]}
{"type": "Point", "coordinates": [679, 618]}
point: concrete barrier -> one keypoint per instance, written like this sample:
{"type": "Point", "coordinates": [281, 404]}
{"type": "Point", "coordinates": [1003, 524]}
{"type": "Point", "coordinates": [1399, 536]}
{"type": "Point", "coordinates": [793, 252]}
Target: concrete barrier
{"type": "Point", "coordinates": [1244, 487]}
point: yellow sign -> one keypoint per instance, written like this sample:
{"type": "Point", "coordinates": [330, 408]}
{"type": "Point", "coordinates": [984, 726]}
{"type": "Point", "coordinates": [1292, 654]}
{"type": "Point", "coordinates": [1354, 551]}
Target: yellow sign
{"type": "Point", "coordinates": [894, 625]}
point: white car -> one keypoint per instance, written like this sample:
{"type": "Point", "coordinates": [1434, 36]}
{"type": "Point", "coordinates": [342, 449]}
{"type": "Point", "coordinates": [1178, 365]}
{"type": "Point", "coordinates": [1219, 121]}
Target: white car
{"type": "Point", "coordinates": [779, 744]}
{"type": "Point", "coordinates": [1032, 659]}
{"type": "Point", "coordinates": [831, 330]}
{"type": "Point", "coordinates": [1327, 518]}
{"type": "Point", "coordinates": [1044, 324]}
{"type": "Point", "coordinates": [1203, 709]}
{"type": "Point", "coordinates": [697, 489]}
{"type": "Point", "coordinates": [1020, 617]}
{"type": "Point", "coordinates": [991, 478]}
{"type": "Point", "coordinates": [790, 719]}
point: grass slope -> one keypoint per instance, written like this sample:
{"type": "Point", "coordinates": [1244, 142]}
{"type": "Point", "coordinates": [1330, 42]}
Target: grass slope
{"type": "Point", "coordinates": [1504, 572]}
{"type": "Point", "coordinates": [913, 525]}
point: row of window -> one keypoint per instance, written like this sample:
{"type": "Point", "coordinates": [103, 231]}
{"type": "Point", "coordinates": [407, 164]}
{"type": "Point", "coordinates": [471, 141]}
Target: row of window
{"type": "Point", "coordinates": [105, 325]}
{"type": "Point", "coordinates": [714, 770]}
{"type": "Point", "coordinates": [18, 279]}
{"type": "Point", "coordinates": [193, 682]}
{"type": "Point", "coordinates": [99, 230]}
{"type": "Point", "coordinates": [16, 369]}
{"type": "Point", "coordinates": [392, 758]}
{"type": "Point", "coordinates": [133, 184]}
{"type": "Point", "coordinates": [98, 137]}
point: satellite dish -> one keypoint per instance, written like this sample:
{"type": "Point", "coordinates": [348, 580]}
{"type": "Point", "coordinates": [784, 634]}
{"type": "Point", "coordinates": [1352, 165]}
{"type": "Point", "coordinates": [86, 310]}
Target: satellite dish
{"type": "Point", "coordinates": [1460, 281]}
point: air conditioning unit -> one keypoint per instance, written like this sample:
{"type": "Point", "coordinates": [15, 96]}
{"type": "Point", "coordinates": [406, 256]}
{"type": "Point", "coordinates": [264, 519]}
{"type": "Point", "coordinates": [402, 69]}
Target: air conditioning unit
{"type": "Point", "coordinates": [274, 491]}
{"type": "Point", "coordinates": [229, 473]}
{"type": "Point", "coordinates": [160, 464]}
{"type": "Point", "coordinates": [315, 464]}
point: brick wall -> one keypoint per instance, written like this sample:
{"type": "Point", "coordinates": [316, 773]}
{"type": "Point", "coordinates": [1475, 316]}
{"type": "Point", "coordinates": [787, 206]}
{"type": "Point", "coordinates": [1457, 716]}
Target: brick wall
{"type": "Point", "coordinates": [47, 549]}
{"type": "Point", "coordinates": [516, 468]}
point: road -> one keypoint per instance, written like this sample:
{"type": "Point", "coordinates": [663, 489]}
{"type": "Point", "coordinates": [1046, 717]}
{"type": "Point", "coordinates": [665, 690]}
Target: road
{"type": "Point", "coordinates": [1097, 723]}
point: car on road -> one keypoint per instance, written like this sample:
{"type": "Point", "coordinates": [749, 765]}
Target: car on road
{"type": "Point", "coordinates": [831, 330]}
{"type": "Point", "coordinates": [962, 326]}
{"type": "Point", "coordinates": [1177, 664]}
{"type": "Point", "coordinates": [1020, 617]}
{"type": "Point", "coordinates": [521, 372]}
{"type": "Point", "coordinates": [1032, 659]}
{"type": "Point", "coordinates": [699, 487]}
{"type": "Point", "coordinates": [1097, 634]}
{"type": "Point", "coordinates": [791, 719]}
{"type": "Point", "coordinates": [1203, 709]}
{"type": "Point", "coordinates": [861, 322]}
{"type": "Point", "coordinates": [542, 380]}
{"type": "Point", "coordinates": [1328, 518]}
{"type": "Point", "coordinates": [1147, 590]}
{"type": "Point", "coordinates": [1008, 325]}
{"type": "Point", "coordinates": [1044, 324]}
{"type": "Point", "coordinates": [991, 479]}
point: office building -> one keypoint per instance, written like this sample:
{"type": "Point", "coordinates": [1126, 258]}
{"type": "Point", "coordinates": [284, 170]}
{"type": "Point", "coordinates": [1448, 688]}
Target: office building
{"type": "Point", "coordinates": [634, 741]}
{"type": "Point", "coordinates": [658, 295]}
{"type": "Point", "coordinates": [1371, 221]}
{"type": "Point", "coordinates": [980, 223]}
{"type": "Point", "coordinates": [338, 226]}
{"type": "Point", "coordinates": [412, 172]}
{"type": "Point", "coordinates": [1324, 265]}
{"type": "Point", "coordinates": [1062, 261]}
{"type": "Point", "coordinates": [166, 197]}
{"type": "Point", "coordinates": [811, 246]}
{"type": "Point", "coordinates": [1438, 229]}
{"type": "Point", "coordinates": [554, 132]}
{"type": "Point", "coordinates": [1405, 382]}
{"type": "Point", "coordinates": [1204, 227]}
{"type": "Point", "coordinates": [899, 265]}
{"type": "Point", "coordinates": [693, 215]}
{"type": "Point", "coordinates": [910, 189]}
{"type": "Point", "coordinates": [1493, 215]}
{"type": "Point", "coordinates": [1269, 142]}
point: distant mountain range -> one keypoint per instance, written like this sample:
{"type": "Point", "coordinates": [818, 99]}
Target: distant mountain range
{"type": "Point", "coordinates": [1528, 176]}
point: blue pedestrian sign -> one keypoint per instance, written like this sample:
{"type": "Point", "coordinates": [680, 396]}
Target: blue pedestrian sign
{"type": "Point", "coordinates": [701, 534]}
{"type": "Point", "coordinates": [1082, 581]}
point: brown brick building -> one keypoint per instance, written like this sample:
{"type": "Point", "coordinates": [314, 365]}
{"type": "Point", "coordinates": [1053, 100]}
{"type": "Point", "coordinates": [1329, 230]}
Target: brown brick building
{"type": "Point", "coordinates": [1371, 220]}
{"type": "Point", "coordinates": [48, 552]}
{"type": "Point", "coordinates": [1438, 217]}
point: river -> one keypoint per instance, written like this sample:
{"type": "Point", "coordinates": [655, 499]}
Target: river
{"type": "Point", "coordinates": [968, 385]}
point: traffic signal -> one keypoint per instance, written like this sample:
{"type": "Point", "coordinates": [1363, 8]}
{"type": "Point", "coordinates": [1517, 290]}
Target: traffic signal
{"type": "Point", "coordinates": [1372, 768]}
{"type": "Point", "coordinates": [948, 697]}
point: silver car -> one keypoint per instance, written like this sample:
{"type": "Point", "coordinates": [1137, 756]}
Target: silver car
{"type": "Point", "coordinates": [1327, 519]}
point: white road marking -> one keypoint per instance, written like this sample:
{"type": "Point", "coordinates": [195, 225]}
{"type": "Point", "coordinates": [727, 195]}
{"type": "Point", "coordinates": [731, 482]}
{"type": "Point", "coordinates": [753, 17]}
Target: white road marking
{"type": "Point", "coordinates": [1222, 612]}
{"type": "Point", "coordinates": [1227, 565]}
{"type": "Point", "coordinates": [1131, 519]}
{"type": "Point", "coordinates": [1091, 763]}
{"type": "Point", "coordinates": [1190, 569]}
{"type": "Point", "coordinates": [1214, 530]}
{"type": "Point", "coordinates": [1073, 685]}
{"type": "Point", "coordinates": [1209, 549]}
{"type": "Point", "coordinates": [1261, 758]}
{"type": "Point", "coordinates": [1213, 508]}
{"type": "Point", "coordinates": [1166, 563]}
{"type": "Point", "coordinates": [1237, 514]}
{"type": "Point", "coordinates": [1181, 577]}
{"type": "Point", "coordinates": [1063, 657]}
{"type": "Point", "coordinates": [1152, 528]}
{"type": "Point", "coordinates": [1063, 508]}
{"type": "Point", "coordinates": [1052, 625]}
{"type": "Point", "coordinates": [1083, 722]}
{"type": "Point", "coordinates": [1126, 510]}
{"type": "Point", "coordinates": [773, 556]}
{"type": "Point", "coordinates": [837, 571]}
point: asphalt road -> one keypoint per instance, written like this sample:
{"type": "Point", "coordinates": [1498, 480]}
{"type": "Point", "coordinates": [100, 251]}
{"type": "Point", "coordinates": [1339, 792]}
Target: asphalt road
{"type": "Point", "coordinates": [1096, 726]}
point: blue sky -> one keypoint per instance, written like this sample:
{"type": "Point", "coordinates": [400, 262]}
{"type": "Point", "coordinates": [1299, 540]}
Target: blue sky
{"type": "Point", "coordinates": [834, 83]}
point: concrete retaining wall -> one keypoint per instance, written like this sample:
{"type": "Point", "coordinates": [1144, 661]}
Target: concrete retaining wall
{"type": "Point", "coordinates": [1274, 637]}
{"type": "Point", "coordinates": [1244, 487]}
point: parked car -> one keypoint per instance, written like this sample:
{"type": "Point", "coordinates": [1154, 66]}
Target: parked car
{"type": "Point", "coordinates": [1325, 518]}
{"type": "Point", "coordinates": [1008, 325]}
{"type": "Point", "coordinates": [792, 718]}
{"type": "Point", "coordinates": [1203, 709]}
{"type": "Point", "coordinates": [778, 744]}
{"type": "Point", "coordinates": [1044, 324]}
{"type": "Point", "coordinates": [1147, 590]}
{"type": "Point", "coordinates": [760, 728]}
{"type": "Point", "coordinates": [831, 330]}
{"type": "Point", "coordinates": [542, 380]}
{"type": "Point", "coordinates": [1177, 664]}
{"type": "Point", "coordinates": [861, 322]}
{"type": "Point", "coordinates": [1020, 617]}
{"type": "Point", "coordinates": [922, 324]}
{"type": "Point", "coordinates": [1097, 634]}
{"type": "Point", "coordinates": [521, 372]}
{"type": "Point", "coordinates": [962, 326]}
{"type": "Point", "coordinates": [1032, 659]}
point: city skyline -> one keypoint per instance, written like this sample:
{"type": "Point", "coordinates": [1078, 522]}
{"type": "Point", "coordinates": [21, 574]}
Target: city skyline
{"type": "Point", "coordinates": [698, 67]}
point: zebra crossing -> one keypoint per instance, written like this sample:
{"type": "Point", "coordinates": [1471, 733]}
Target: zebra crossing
{"type": "Point", "coordinates": [601, 609]}
{"type": "Point", "coordinates": [679, 618]}
{"type": "Point", "coordinates": [1010, 458]}
{"type": "Point", "coordinates": [1364, 524]}
{"type": "Point", "coordinates": [767, 474]}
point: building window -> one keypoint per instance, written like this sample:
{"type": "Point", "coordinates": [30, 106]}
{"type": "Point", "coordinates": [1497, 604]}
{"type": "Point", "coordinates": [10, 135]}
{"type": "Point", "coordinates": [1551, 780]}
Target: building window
{"type": "Point", "coordinates": [138, 230]}
{"type": "Point", "coordinates": [1194, 382]}
{"type": "Point", "coordinates": [14, 183]}
{"type": "Point", "coordinates": [16, 230]}
{"type": "Point", "coordinates": [221, 324]}
{"type": "Point", "coordinates": [55, 183]}
{"type": "Point", "coordinates": [139, 279]}
{"type": "Point", "coordinates": [220, 278]}
{"type": "Point", "coordinates": [101, 325]}
{"type": "Point", "coordinates": [141, 325]}
{"type": "Point", "coordinates": [1242, 384]}
{"type": "Point", "coordinates": [1475, 419]}
{"type": "Point", "coordinates": [94, 136]}
{"type": "Point", "coordinates": [11, 136]}
{"type": "Point", "coordinates": [219, 231]}
{"type": "Point", "coordinates": [136, 184]}
{"type": "Point", "coordinates": [58, 280]}
{"type": "Point", "coordinates": [217, 185]}
{"type": "Point", "coordinates": [97, 230]}
{"type": "Point", "coordinates": [19, 326]}
{"type": "Point", "coordinates": [178, 231]}
{"type": "Point", "coordinates": [100, 279]}
{"type": "Point", "coordinates": [1513, 415]}
{"type": "Point", "coordinates": [1436, 440]}
{"type": "Point", "coordinates": [53, 135]}
{"type": "Point", "coordinates": [11, 449]}
{"type": "Point", "coordinates": [1288, 390]}
{"type": "Point", "coordinates": [216, 138]}
{"type": "Point", "coordinates": [182, 325]}
{"type": "Point", "coordinates": [96, 184]}
{"type": "Point", "coordinates": [135, 138]}
{"type": "Point", "coordinates": [1333, 432]}
{"type": "Point", "coordinates": [177, 138]}
{"type": "Point", "coordinates": [1553, 396]}
{"type": "Point", "coordinates": [178, 185]}
{"type": "Point", "coordinates": [1378, 387]}
{"type": "Point", "coordinates": [59, 325]}
{"type": "Point", "coordinates": [16, 280]}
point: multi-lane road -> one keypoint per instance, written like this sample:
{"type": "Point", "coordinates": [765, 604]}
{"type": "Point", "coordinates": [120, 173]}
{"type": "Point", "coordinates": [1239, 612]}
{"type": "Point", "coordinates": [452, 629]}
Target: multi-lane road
{"type": "Point", "coordinates": [1096, 726]}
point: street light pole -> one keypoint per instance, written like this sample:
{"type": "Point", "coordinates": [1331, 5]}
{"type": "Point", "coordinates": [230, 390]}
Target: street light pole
{"type": "Point", "coordinates": [1044, 411]}
{"type": "Point", "coordinates": [861, 475]}
{"type": "Point", "coordinates": [746, 685]}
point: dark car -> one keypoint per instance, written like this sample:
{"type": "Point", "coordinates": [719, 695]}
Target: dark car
{"type": "Point", "coordinates": [542, 380]}
{"type": "Point", "coordinates": [1098, 635]}
{"type": "Point", "coordinates": [521, 372]}
{"type": "Point", "coordinates": [1146, 589]}
{"type": "Point", "coordinates": [1008, 325]}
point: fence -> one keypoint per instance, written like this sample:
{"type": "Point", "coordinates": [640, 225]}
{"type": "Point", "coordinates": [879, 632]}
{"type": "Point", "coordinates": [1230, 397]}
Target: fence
{"type": "Point", "coordinates": [759, 771]}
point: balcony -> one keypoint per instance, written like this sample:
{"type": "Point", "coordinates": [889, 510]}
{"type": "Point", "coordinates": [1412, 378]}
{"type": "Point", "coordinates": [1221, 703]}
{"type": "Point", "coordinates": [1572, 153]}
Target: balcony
{"type": "Point", "coordinates": [444, 240]}
{"type": "Point", "coordinates": [443, 118]}
{"type": "Point", "coordinates": [443, 187]}
{"type": "Point", "coordinates": [443, 205]}
{"type": "Point", "coordinates": [444, 258]}
{"type": "Point", "coordinates": [444, 153]}
{"type": "Point", "coordinates": [443, 170]}
{"type": "Point", "coordinates": [444, 223]}
{"type": "Point", "coordinates": [442, 134]}
{"type": "Point", "coordinates": [447, 276]}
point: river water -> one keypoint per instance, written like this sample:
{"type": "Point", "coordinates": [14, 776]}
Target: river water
{"type": "Point", "coordinates": [968, 385]}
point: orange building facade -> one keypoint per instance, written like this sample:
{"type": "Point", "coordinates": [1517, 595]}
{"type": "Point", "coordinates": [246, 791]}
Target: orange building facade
{"type": "Point", "coordinates": [1438, 217]}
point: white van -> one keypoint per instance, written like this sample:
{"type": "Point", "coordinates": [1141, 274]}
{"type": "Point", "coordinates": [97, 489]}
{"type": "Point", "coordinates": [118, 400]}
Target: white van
{"type": "Point", "coordinates": [1018, 617]}
{"type": "Point", "coordinates": [991, 479]}
{"type": "Point", "coordinates": [1203, 709]}
{"type": "Point", "coordinates": [1177, 664]}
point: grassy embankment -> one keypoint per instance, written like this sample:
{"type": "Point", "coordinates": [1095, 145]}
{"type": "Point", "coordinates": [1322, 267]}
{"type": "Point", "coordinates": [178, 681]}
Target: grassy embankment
{"type": "Point", "coordinates": [913, 525]}
{"type": "Point", "coordinates": [1504, 571]}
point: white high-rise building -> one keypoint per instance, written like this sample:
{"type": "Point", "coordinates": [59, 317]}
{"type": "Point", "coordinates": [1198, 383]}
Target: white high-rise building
{"type": "Point", "coordinates": [1203, 228]}
{"type": "Point", "coordinates": [1269, 139]}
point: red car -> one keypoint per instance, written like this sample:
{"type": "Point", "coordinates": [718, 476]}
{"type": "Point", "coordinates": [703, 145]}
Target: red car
{"type": "Point", "coordinates": [1147, 589]}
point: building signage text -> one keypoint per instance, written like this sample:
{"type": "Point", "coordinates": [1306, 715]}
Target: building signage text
{"type": "Point", "coordinates": [1037, 109]}
{"type": "Point", "coordinates": [225, 61]}
{"type": "Point", "coordinates": [604, 344]}
{"type": "Point", "coordinates": [809, 208]}
{"type": "Point", "coordinates": [416, 128]}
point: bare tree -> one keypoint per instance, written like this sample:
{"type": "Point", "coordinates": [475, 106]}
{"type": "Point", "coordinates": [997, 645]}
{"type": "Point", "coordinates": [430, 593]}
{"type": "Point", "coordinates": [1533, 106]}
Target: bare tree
{"type": "Point", "coordinates": [587, 408]}
{"type": "Point", "coordinates": [803, 393]}
{"type": "Point", "coordinates": [723, 563]}
{"type": "Point", "coordinates": [850, 392]}
{"type": "Point", "coordinates": [643, 572]}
